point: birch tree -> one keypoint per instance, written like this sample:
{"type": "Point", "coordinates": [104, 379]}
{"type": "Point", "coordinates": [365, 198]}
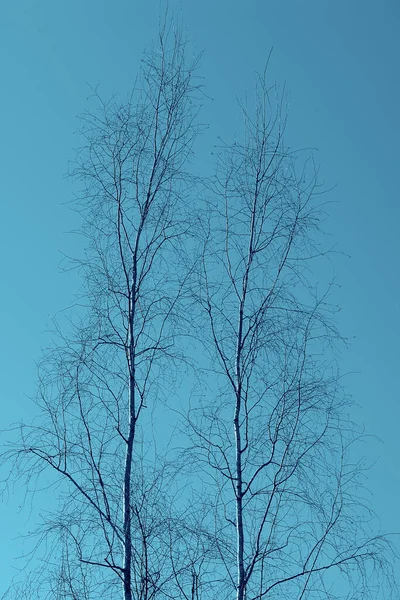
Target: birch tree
{"type": "Point", "coordinates": [271, 434]}
{"type": "Point", "coordinates": [92, 436]}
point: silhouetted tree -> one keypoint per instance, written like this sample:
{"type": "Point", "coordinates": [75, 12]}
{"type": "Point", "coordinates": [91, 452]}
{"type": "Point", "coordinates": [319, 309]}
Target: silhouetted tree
{"type": "Point", "coordinates": [271, 433]}
{"type": "Point", "coordinates": [96, 382]}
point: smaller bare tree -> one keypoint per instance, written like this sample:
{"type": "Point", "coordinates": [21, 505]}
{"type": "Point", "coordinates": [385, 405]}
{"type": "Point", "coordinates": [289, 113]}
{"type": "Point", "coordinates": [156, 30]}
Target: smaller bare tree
{"type": "Point", "coordinates": [270, 433]}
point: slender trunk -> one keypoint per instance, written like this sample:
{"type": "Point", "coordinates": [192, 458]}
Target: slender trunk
{"type": "Point", "coordinates": [239, 507]}
{"type": "Point", "coordinates": [240, 584]}
{"type": "Point", "coordinates": [241, 576]}
{"type": "Point", "coordinates": [127, 492]}
{"type": "Point", "coordinates": [127, 513]}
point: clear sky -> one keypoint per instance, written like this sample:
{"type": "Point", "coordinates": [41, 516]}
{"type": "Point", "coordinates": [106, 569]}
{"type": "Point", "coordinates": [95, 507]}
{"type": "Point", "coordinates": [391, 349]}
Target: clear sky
{"type": "Point", "coordinates": [340, 62]}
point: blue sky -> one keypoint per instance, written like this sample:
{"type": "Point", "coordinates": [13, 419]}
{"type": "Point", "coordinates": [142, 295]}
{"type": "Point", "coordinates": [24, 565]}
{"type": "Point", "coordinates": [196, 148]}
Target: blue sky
{"type": "Point", "coordinates": [339, 61]}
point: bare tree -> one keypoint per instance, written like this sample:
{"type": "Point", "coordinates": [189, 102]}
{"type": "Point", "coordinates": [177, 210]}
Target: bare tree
{"type": "Point", "coordinates": [92, 438]}
{"type": "Point", "coordinates": [271, 433]}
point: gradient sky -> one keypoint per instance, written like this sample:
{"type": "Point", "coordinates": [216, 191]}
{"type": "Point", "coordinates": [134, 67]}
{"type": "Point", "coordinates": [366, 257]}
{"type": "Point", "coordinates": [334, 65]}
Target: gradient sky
{"type": "Point", "coordinates": [339, 60]}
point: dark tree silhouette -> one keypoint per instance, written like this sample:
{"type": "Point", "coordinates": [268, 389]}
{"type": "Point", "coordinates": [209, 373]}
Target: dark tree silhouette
{"type": "Point", "coordinates": [271, 432]}
{"type": "Point", "coordinates": [97, 382]}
